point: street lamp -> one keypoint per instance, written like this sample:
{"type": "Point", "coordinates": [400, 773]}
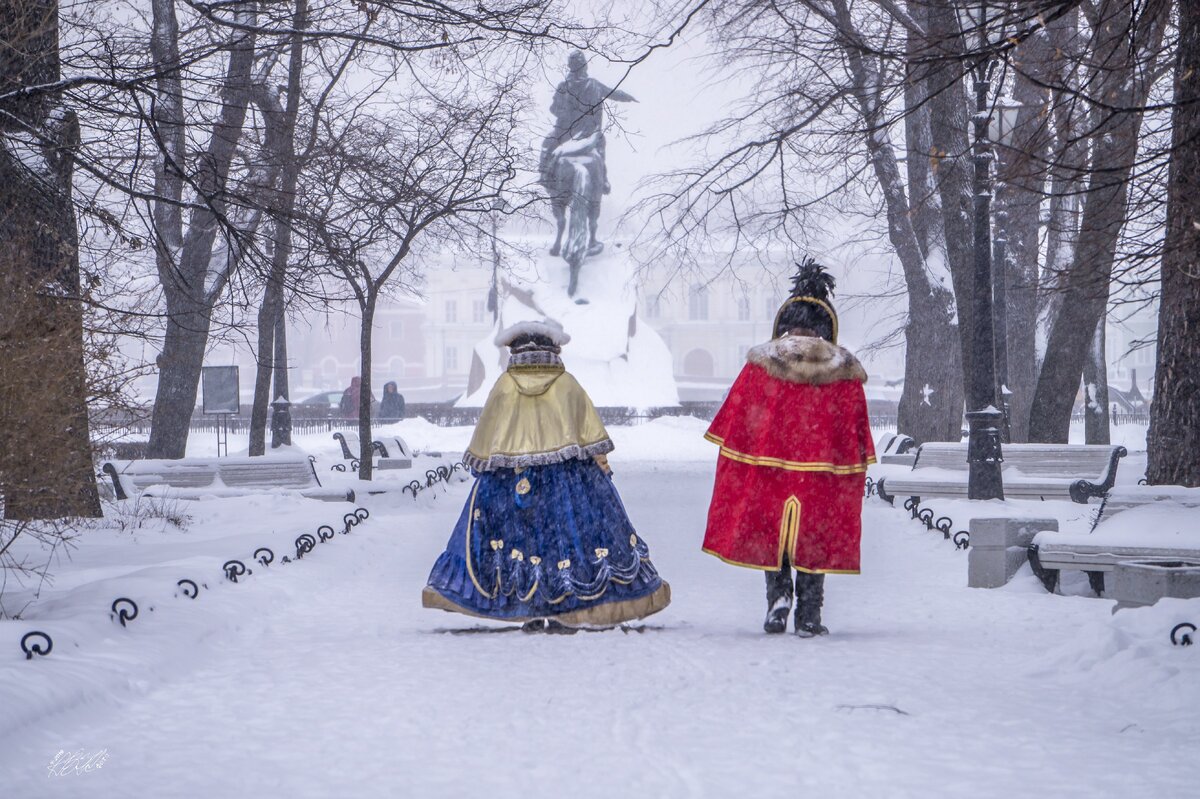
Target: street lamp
{"type": "Point", "coordinates": [1000, 130]}
{"type": "Point", "coordinates": [493, 301]}
{"type": "Point", "coordinates": [984, 454]}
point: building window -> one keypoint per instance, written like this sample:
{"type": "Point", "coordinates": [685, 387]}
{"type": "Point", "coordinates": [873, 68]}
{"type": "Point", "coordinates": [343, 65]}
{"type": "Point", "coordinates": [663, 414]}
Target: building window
{"type": "Point", "coordinates": [698, 303]}
{"type": "Point", "coordinates": [654, 307]}
{"type": "Point", "coordinates": [743, 303]}
{"type": "Point", "coordinates": [451, 311]}
{"type": "Point", "coordinates": [450, 359]}
{"type": "Point", "coordinates": [478, 311]}
{"type": "Point", "coordinates": [770, 307]}
{"type": "Point", "coordinates": [396, 330]}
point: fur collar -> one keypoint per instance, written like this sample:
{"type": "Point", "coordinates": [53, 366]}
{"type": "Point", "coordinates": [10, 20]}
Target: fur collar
{"type": "Point", "coordinates": [800, 359]}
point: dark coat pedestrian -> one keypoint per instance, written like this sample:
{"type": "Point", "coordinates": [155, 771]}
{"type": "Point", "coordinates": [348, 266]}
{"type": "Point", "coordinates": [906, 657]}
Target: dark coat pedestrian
{"type": "Point", "coordinates": [350, 398]}
{"type": "Point", "coordinates": [391, 407]}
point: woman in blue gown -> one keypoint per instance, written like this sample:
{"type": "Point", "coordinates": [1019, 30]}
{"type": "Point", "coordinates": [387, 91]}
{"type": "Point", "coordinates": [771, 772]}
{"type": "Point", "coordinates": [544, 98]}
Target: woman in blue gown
{"type": "Point", "coordinates": [544, 535]}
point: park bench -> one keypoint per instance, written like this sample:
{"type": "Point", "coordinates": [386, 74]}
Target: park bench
{"type": "Point", "coordinates": [393, 448]}
{"type": "Point", "coordinates": [1030, 471]}
{"type": "Point", "coordinates": [896, 449]}
{"type": "Point", "coordinates": [1099, 552]}
{"type": "Point", "coordinates": [195, 478]}
{"type": "Point", "coordinates": [393, 452]}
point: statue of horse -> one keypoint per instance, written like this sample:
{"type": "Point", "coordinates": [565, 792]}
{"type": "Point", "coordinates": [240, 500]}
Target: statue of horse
{"type": "Point", "coordinates": [574, 179]}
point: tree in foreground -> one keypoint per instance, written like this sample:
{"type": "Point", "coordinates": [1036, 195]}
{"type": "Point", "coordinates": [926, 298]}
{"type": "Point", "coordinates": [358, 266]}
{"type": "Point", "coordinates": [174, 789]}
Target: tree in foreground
{"type": "Point", "coordinates": [45, 450]}
{"type": "Point", "coordinates": [1173, 441]}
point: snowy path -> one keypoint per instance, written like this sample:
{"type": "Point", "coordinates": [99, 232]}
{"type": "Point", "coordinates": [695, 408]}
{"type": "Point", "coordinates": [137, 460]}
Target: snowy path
{"type": "Point", "coordinates": [334, 681]}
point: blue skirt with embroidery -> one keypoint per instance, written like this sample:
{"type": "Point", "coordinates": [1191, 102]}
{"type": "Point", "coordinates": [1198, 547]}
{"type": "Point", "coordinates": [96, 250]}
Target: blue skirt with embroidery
{"type": "Point", "coordinates": [546, 541]}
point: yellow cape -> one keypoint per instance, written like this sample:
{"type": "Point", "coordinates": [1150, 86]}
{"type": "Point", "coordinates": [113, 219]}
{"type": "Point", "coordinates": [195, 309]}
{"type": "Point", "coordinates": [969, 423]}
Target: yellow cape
{"type": "Point", "coordinates": [536, 415]}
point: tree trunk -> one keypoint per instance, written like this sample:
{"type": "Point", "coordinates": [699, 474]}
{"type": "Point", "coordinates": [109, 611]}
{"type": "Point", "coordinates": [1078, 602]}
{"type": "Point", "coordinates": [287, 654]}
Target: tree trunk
{"type": "Point", "coordinates": [1173, 440]}
{"type": "Point", "coordinates": [949, 108]}
{"type": "Point", "coordinates": [365, 452]}
{"type": "Point", "coordinates": [1020, 191]}
{"type": "Point", "coordinates": [263, 367]}
{"type": "Point", "coordinates": [931, 404]}
{"type": "Point", "coordinates": [271, 324]}
{"type": "Point", "coordinates": [1067, 168]}
{"type": "Point", "coordinates": [280, 376]}
{"type": "Point", "coordinates": [1095, 391]}
{"type": "Point", "coordinates": [1121, 46]}
{"type": "Point", "coordinates": [192, 277]}
{"type": "Point", "coordinates": [46, 468]}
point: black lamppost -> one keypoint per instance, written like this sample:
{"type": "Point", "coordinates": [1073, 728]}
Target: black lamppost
{"type": "Point", "coordinates": [1003, 124]}
{"type": "Point", "coordinates": [984, 454]}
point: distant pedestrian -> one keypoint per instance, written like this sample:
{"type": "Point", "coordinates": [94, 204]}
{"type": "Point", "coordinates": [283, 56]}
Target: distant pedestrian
{"type": "Point", "coordinates": [350, 398]}
{"type": "Point", "coordinates": [391, 407]}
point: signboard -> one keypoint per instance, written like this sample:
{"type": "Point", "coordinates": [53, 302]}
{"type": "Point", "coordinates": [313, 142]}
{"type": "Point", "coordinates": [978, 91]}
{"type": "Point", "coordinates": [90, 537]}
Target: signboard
{"type": "Point", "coordinates": [220, 389]}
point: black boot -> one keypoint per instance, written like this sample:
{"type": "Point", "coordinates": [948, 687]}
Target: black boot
{"type": "Point", "coordinates": [779, 599]}
{"type": "Point", "coordinates": [810, 596]}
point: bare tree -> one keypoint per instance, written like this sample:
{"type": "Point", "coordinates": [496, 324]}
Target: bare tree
{"type": "Point", "coordinates": [192, 275]}
{"type": "Point", "coordinates": [382, 190]}
{"type": "Point", "coordinates": [45, 455]}
{"type": "Point", "coordinates": [1125, 44]}
{"type": "Point", "coordinates": [932, 399]}
{"type": "Point", "coordinates": [1174, 436]}
{"type": "Point", "coordinates": [824, 110]}
{"type": "Point", "coordinates": [272, 347]}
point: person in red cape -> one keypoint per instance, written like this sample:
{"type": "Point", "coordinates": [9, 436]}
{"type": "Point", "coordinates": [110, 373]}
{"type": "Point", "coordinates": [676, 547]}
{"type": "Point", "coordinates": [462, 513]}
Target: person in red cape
{"type": "Point", "coordinates": [795, 445]}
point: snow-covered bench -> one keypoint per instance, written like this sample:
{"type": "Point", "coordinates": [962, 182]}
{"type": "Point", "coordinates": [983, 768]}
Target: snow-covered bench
{"type": "Point", "coordinates": [195, 478]}
{"type": "Point", "coordinates": [1129, 497]}
{"type": "Point", "coordinates": [896, 449]}
{"type": "Point", "coordinates": [1156, 524]}
{"type": "Point", "coordinates": [1030, 471]}
{"type": "Point", "coordinates": [393, 452]}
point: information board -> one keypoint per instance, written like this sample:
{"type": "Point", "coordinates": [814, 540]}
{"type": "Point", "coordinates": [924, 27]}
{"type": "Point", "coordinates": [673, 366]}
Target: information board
{"type": "Point", "coordinates": [220, 389]}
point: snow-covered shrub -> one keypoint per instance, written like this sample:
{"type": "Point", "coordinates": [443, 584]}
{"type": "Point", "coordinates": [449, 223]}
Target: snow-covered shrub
{"type": "Point", "coordinates": [144, 512]}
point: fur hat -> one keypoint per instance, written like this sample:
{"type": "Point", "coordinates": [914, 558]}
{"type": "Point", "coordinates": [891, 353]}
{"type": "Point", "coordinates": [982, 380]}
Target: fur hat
{"type": "Point", "coordinates": [809, 304]}
{"type": "Point", "coordinates": [546, 334]}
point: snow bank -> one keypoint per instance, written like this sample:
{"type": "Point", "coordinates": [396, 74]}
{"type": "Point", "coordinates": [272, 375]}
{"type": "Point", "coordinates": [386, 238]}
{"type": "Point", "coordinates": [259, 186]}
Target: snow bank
{"type": "Point", "coordinates": [1133, 648]}
{"type": "Point", "coordinates": [1157, 525]}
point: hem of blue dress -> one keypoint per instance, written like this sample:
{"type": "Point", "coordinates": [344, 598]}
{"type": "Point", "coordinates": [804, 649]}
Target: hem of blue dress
{"type": "Point", "coordinates": [605, 614]}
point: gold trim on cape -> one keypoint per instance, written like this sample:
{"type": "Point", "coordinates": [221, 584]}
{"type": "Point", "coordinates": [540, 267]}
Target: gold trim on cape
{"type": "Point", "coordinates": [789, 532]}
{"type": "Point", "coordinates": [796, 466]}
{"type": "Point", "coordinates": [792, 466]}
{"type": "Point", "coordinates": [756, 567]}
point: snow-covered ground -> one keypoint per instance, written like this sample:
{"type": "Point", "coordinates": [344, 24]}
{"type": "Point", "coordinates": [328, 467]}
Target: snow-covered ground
{"type": "Point", "coordinates": [325, 677]}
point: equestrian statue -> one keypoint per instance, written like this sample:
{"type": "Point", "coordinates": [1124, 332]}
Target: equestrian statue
{"type": "Point", "coordinates": [572, 167]}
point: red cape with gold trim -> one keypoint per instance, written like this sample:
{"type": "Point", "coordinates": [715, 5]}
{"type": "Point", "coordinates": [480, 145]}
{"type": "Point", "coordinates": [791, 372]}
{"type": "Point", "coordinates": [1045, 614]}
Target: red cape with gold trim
{"type": "Point", "coordinates": [790, 474]}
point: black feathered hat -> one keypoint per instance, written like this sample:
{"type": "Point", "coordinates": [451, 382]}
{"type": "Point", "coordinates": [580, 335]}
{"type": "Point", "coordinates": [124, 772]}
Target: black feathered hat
{"type": "Point", "coordinates": [809, 303]}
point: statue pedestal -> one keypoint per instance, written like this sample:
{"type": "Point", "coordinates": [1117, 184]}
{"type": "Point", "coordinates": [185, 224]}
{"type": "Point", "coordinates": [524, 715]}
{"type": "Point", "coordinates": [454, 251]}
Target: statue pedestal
{"type": "Point", "coordinates": [618, 359]}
